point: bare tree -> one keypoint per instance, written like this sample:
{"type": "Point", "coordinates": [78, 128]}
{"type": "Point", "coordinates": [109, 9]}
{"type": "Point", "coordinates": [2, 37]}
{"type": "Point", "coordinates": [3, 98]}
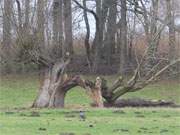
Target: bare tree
{"type": "Point", "coordinates": [152, 31]}
{"type": "Point", "coordinates": [120, 87]}
{"type": "Point", "coordinates": [97, 42]}
{"type": "Point", "coordinates": [153, 43]}
{"type": "Point", "coordinates": [86, 42]}
{"type": "Point", "coordinates": [57, 83]}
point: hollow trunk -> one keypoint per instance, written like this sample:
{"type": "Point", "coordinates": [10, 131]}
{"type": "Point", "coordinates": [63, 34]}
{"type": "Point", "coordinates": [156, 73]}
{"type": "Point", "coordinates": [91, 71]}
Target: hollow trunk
{"type": "Point", "coordinates": [43, 97]}
{"type": "Point", "coordinates": [54, 87]}
{"type": "Point", "coordinates": [55, 84]}
{"type": "Point", "coordinates": [49, 94]}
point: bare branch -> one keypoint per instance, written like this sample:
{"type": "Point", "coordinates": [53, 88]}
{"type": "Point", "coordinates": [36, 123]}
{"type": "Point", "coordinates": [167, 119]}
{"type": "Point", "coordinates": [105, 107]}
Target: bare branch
{"type": "Point", "coordinates": [162, 70]}
{"type": "Point", "coordinates": [88, 10]}
{"type": "Point", "coordinates": [116, 84]}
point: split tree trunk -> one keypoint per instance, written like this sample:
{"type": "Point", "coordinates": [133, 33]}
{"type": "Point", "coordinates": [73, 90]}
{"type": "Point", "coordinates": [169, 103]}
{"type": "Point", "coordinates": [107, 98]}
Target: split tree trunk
{"type": "Point", "coordinates": [56, 84]}
{"type": "Point", "coordinates": [54, 87]}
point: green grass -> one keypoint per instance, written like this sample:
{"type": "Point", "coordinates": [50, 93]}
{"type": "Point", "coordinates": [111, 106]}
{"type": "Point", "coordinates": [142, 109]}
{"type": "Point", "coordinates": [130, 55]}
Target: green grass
{"type": "Point", "coordinates": [169, 91]}
{"type": "Point", "coordinates": [99, 122]}
{"type": "Point", "coordinates": [18, 92]}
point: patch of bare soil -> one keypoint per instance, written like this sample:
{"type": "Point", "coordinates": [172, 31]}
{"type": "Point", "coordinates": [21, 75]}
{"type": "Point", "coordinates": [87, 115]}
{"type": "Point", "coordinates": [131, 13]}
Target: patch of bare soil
{"type": "Point", "coordinates": [142, 103]}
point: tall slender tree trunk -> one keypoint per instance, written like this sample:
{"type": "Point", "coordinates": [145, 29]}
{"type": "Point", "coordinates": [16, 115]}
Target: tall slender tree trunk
{"type": "Point", "coordinates": [19, 30]}
{"type": "Point", "coordinates": [27, 15]}
{"type": "Point", "coordinates": [7, 25]}
{"type": "Point", "coordinates": [40, 39]}
{"type": "Point", "coordinates": [68, 26]}
{"type": "Point", "coordinates": [123, 37]}
{"type": "Point", "coordinates": [57, 28]}
{"type": "Point", "coordinates": [61, 30]}
{"type": "Point", "coordinates": [40, 23]}
{"type": "Point", "coordinates": [109, 44]}
{"type": "Point", "coordinates": [86, 42]}
{"type": "Point", "coordinates": [97, 43]}
{"type": "Point", "coordinates": [130, 47]}
{"type": "Point", "coordinates": [97, 46]}
{"type": "Point", "coordinates": [7, 36]}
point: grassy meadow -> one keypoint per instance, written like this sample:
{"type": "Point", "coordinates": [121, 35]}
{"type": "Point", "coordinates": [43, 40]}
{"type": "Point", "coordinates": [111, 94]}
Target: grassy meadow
{"type": "Point", "coordinates": [17, 93]}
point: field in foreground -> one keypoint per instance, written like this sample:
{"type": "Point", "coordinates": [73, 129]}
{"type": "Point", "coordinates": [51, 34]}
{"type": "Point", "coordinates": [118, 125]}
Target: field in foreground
{"type": "Point", "coordinates": [18, 92]}
{"type": "Point", "coordinates": [126, 121]}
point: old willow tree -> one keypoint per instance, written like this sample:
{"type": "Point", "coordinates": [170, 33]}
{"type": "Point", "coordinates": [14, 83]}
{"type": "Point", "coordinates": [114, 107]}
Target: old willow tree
{"type": "Point", "coordinates": [55, 82]}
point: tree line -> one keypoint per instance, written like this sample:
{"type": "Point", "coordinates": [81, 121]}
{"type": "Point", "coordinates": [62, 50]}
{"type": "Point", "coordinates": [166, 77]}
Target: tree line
{"type": "Point", "coordinates": [28, 26]}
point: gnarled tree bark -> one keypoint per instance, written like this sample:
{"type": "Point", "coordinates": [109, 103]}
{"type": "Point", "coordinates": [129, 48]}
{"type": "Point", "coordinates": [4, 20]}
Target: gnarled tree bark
{"type": "Point", "coordinates": [55, 85]}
